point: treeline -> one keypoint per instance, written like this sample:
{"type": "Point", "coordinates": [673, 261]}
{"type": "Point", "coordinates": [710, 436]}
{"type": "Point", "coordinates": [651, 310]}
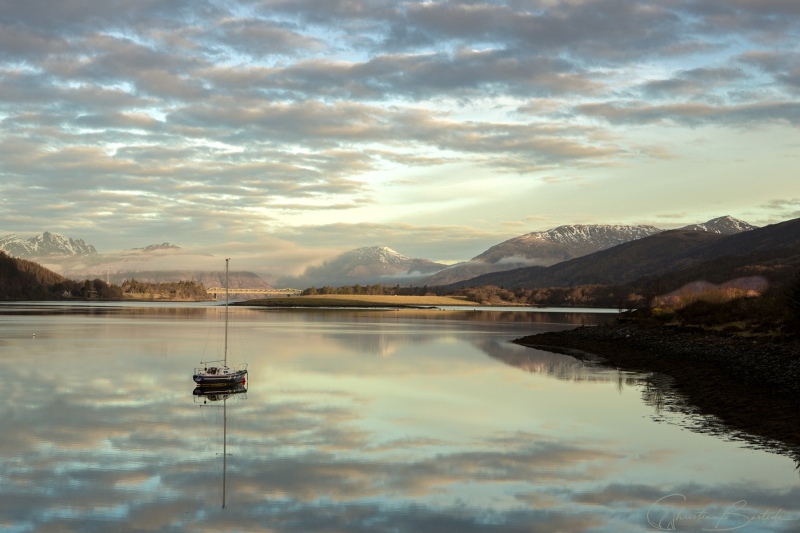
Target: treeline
{"type": "Point", "coordinates": [87, 289]}
{"type": "Point", "coordinates": [380, 290]}
{"type": "Point", "coordinates": [180, 290]}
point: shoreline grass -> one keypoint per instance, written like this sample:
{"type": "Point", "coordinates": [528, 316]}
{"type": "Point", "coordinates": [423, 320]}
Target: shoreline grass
{"type": "Point", "coordinates": [360, 300]}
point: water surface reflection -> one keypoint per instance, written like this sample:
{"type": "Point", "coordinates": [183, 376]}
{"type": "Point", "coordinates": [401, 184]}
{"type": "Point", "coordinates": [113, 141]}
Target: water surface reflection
{"type": "Point", "coordinates": [370, 421]}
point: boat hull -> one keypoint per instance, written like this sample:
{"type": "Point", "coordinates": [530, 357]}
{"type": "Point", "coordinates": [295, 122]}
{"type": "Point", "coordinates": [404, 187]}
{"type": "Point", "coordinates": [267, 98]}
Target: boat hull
{"type": "Point", "coordinates": [225, 380]}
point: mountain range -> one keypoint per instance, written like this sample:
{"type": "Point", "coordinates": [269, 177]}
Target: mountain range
{"type": "Point", "coordinates": [546, 248]}
{"type": "Point", "coordinates": [542, 248]}
{"type": "Point", "coordinates": [156, 247]}
{"type": "Point", "coordinates": [653, 256]}
{"type": "Point", "coordinates": [368, 265]}
{"type": "Point", "coordinates": [45, 244]}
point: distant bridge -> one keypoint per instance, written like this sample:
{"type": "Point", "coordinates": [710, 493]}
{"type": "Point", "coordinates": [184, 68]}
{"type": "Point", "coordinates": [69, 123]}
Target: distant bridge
{"type": "Point", "coordinates": [270, 292]}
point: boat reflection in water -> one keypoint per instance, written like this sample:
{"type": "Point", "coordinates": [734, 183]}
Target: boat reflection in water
{"type": "Point", "coordinates": [237, 391]}
{"type": "Point", "coordinates": [219, 394]}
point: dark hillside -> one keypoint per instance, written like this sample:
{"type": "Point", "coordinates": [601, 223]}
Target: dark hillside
{"type": "Point", "coordinates": [778, 267]}
{"type": "Point", "coordinates": [16, 283]}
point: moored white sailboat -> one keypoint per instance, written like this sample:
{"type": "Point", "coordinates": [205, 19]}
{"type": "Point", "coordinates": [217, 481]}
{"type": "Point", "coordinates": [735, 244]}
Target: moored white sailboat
{"type": "Point", "coordinates": [221, 376]}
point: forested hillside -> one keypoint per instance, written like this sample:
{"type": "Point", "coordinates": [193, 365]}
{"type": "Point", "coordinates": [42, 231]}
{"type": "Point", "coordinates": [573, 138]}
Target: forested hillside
{"type": "Point", "coordinates": [26, 280]}
{"type": "Point", "coordinates": [22, 284]}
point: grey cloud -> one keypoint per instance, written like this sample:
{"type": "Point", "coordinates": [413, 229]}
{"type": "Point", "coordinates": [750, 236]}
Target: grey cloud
{"type": "Point", "coordinates": [115, 60]}
{"type": "Point", "coordinates": [314, 123]}
{"type": "Point", "coordinates": [783, 208]}
{"type": "Point", "coordinates": [782, 203]}
{"type": "Point", "coordinates": [770, 18]}
{"type": "Point", "coordinates": [607, 29]}
{"type": "Point", "coordinates": [462, 73]}
{"type": "Point", "coordinates": [784, 67]}
{"type": "Point", "coordinates": [323, 11]}
{"type": "Point", "coordinates": [78, 16]}
{"type": "Point", "coordinates": [23, 94]}
{"type": "Point", "coordinates": [262, 38]}
{"type": "Point", "coordinates": [118, 120]}
{"type": "Point", "coordinates": [637, 112]}
{"type": "Point", "coordinates": [18, 43]}
{"type": "Point", "coordinates": [695, 82]}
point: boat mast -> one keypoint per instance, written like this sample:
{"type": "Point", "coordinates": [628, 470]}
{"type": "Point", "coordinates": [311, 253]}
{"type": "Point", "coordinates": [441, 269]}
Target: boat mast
{"type": "Point", "coordinates": [226, 311]}
{"type": "Point", "coordinates": [224, 446]}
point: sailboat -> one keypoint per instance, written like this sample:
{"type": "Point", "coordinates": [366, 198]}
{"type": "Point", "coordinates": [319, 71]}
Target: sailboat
{"type": "Point", "coordinates": [221, 376]}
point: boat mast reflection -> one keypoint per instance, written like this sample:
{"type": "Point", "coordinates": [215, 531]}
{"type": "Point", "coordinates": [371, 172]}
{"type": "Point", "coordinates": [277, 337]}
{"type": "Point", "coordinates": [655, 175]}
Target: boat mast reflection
{"type": "Point", "coordinates": [215, 396]}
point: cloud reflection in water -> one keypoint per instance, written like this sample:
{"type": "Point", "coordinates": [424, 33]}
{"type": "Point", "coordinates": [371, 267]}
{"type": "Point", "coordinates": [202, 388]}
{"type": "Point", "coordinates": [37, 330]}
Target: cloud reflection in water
{"type": "Point", "coordinates": [380, 423]}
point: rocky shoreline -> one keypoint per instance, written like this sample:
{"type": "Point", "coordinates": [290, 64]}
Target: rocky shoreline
{"type": "Point", "coordinates": [749, 384]}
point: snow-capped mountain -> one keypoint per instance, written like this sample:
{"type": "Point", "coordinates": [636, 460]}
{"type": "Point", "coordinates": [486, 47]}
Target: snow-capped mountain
{"type": "Point", "coordinates": [372, 264]}
{"type": "Point", "coordinates": [543, 248]}
{"type": "Point", "coordinates": [157, 247]}
{"type": "Point", "coordinates": [726, 225]}
{"type": "Point", "coordinates": [45, 244]}
{"type": "Point", "coordinates": [564, 242]}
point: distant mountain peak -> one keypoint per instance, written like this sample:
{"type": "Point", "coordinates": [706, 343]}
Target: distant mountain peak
{"type": "Point", "coordinates": [370, 264]}
{"type": "Point", "coordinates": [726, 225]}
{"type": "Point", "coordinates": [384, 254]}
{"type": "Point", "coordinates": [45, 244]}
{"type": "Point", "coordinates": [156, 247]}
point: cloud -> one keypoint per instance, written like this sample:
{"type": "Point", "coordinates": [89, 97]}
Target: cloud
{"type": "Point", "coordinates": [784, 67]}
{"type": "Point", "coordinates": [693, 114]}
{"type": "Point", "coordinates": [462, 73]}
{"type": "Point", "coordinates": [695, 82]}
{"type": "Point", "coordinates": [215, 119]}
{"type": "Point", "coordinates": [782, 209]}
{"type": "Point", "coordinates": [260, 38]}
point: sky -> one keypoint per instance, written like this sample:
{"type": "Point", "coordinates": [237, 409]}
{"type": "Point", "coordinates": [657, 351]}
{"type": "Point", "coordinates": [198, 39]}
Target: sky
{"type": "Point", "coordinates": [299, 129]}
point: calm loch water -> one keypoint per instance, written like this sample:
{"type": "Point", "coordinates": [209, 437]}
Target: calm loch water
{"type": "Point", "coordinates": [373, 421]}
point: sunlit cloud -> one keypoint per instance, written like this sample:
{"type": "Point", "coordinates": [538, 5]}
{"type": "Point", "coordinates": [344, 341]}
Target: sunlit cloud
{"type": "Point", "coordinates": [206, 121]}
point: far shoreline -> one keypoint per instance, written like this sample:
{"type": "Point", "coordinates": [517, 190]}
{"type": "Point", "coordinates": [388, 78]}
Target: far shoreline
{"type": "Point", "coordinates": [362, 301]}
